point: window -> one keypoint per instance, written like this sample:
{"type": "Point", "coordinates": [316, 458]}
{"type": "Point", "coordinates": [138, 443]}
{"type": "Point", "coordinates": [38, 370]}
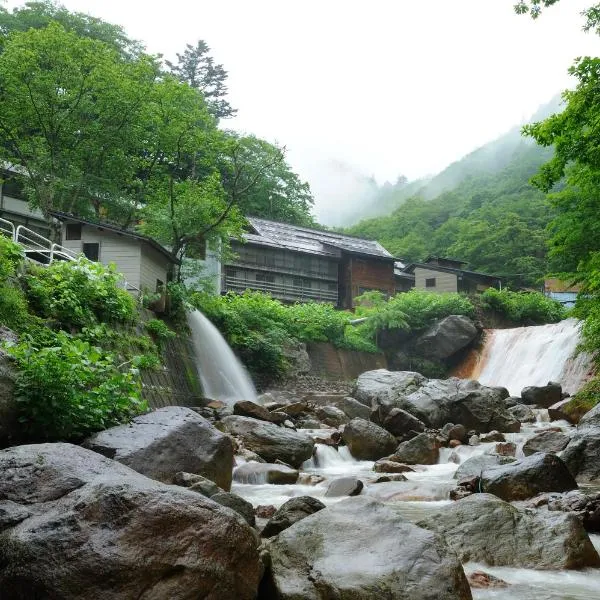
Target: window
{"type": "Point", "coordinates": [73, 231]}
{"type": "Point", "coordinates": [429, 283]}
{"type": "Point", "coordinates": [266, 277]}
{"type": "Point", "coordinates": [160, 286]}
{"type": "Point", "coordinates": [92, 251]}
{"type": "Point", "coordinates": [13, 188]}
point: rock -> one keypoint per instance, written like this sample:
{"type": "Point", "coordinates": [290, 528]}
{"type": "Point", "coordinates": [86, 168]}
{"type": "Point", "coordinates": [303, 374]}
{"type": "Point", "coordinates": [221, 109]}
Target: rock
{"type": "Point", "coordinates": [492, 436]}
{"type": "Point", "coordinates": [454, 444]}
{"type": "Point", "coordinates": [506, 449]}
{"type": "Point", "coordinates": [246, 408]}
{"type": "Point", "coordinates": [197, 483]}
{"type": "Point", "coordinates": [270, 441]}
{"type": "Point", "coordinates": [475, 465]}
{"type": "Point", "coordinates": [402, 424]}
{"type": "Point", "coordinates": [512, 401]}
{"type": "Point", "coordinates": [9, 425]}
{"type": "Point", "coordinates": [479, 580]}
{"type": "Point", "coordinates": [546, 441]}
{"type": "Point", "coordinates": [457, 432]}
{"type": "Point", "coordinates": [543, 396]}
{"type": "Point", "coordinates": [166, 441]}
{"type": "Point", "coordinates": [390, 466]}
{"type": "Point", "coordinates": [446, 337]}
{"type": "Point", "coordinates": [353, 408]}
{"type": "Point", "coordinates": [297, 359]}
{"type": "Point", "coordinates": [291, 512]}
{"type": "Point", "coordinates": [237, 503]}
{"type": "Point", "coordinates": [309, 424]}
{"type": "Point", "coordinates": [310, 479]}
{"type": "Point", "coordinates": [381, 386]}
{"type": "Point", "coordinates": [560, 412]}
{"type": "Point", "coordinates": [294, 409]}
{"type": "Point", "coordinates": [344, 486]}
{"type": "Point", "coordinates": [332, 416]}
{"type": "Point", "coordinates": [97, 529]}
{"type": "Point", "coordinates": [585, 506]}
{"type": "Point", "coordinates": [360, 549]}
{"type": "Point", "coordinates": [333, 440]}
{"type": "Point", "coordinates": [389, 477]}
{"type": "Point", "coordinates": [590, 418]}
{"type": "Point", "coordinates": [367, 441]}
{"type": "Point", "coordinates": [258, 473]}
{"type": "Point", "coordinates": [582, 455]}
{"type": "Point", "coordinates": [421, 450]}
{"type": "Point", "coordinates": [483, 528]}
{"type": "Point", "coordinates": [522, 413]}
{"type": "Point", "coordinates": [474, 440]}
{"type": "Point", "coordinates": [480, 408]}
{"type": "Point", "coordinates": [528, 477]}
{"type": "Point", "coordinates": [264, 511]}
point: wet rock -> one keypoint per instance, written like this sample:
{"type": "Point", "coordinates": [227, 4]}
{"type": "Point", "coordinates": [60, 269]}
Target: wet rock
{"type": "Point", "coordinates": [483, 528]}
{"type": "Point", "coordinates": [264, 511]}
{"type": "Point", "coordinates": [590, 418]}
{"type": "Point", "coordinates": [582, 455]}
{"type": "Point", "coordinates": [344, 486]}
{"type": "Point", "coordinates": [98, 529]}
{"type": "Point", "coordinates": [506, 449]}
{"type": "Point", "coordinates": [258, 473]}
{"type": "Point", "coordinates": [478, 580]}
{"type": "Point", "coordinates": [492, 436]}
{"type": "Point", "coordinates": [546, 441]}
{"type": "Point", "coordinates": [310, 479]}
{"type": "Point", "coordinates": [446, 337]}
{"type": "Point", "coordinates": [474, 440]}
{"type": "Point", "coordinates": [421, 450]}
{"type": "Point", "coordinates": [381, 386]}
{"type": "Point", "coordinates": [528, 477]}
{"type": "Point", "coordinates": [237, 503]}
{"type": "Point", "coordinates": [475, 465]}
{"type": "Point", "coordinates": [560, 412]}
{"type": "Point", "coordinates": [353, 408]}
{"type": "Point", "coordinates": [270, 441]}
{"type": "Point", "coordinates": [542, 396]}
{"type": "Point", "coordinates": [454, 444]}
{"type": "Point", "coordinates": [585, 505]}
{"type": "Point", "coordinates": [357, 548]}
{"type": "Point", "coordinates": [197, 483]}
{"type": "Point", "coordinates": [457, 432]}
{"type": "Point", "coordinates": [388, 477]}
{"type": "Point", "coordinates": [441, 401]}
{"type": "Point", "coordinates": [246, 408]}
{"type": "Point", "coordinates": [333, 440]}
{"type": "Point", "coordinates": [390, 466]}
{"type": "Point", "coordinates": [367, 441]}
{"type": "Point", "coordinates": [512, 401]}
{"type": "Point", "coordinates": [332, 416]}
{"type": "Point", "coordinates": [167, 441]}
{"type": "Point", "coordinates": [522, 413]}
{"type": "Point", "coordinates": [291, 512]}
{"type": "Point", "coordinates": [402, 424]}
{"type": "Point", "coordinates": [294, 409]}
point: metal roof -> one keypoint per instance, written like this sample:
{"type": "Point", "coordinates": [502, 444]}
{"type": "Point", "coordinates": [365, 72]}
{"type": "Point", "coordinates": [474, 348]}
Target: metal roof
{"type": "Point", "coordinates": [312, 241]}
{"type": "Point", "coordinates": [433, 267]}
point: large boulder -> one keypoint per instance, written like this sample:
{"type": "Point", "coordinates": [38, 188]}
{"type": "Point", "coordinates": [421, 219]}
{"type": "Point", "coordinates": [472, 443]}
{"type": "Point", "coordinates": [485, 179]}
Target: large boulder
{"type": "Point", "coordinates": [331, 415]}
{"type": "Point", "coordinates": [353, 408]}
{"type": "Point", "coordinates": [9, 424]}
{"type": "Point", "coordinates": [582, 455]}
{"type": "Point", "coordinates": [291, 512]}
{"type": "Point", "coordinates": [402, 424]}
{"type": "Point", "coordinates": [270, 441]}
{"type": "Point", "coordinates": [391, 388]}
{"type": "Point", "coordinates": [543, 396]}
{"type": "Point", "coordinates": [246, 408]}
{"type": "Point", "coordinates": [464, 401]}
{"type": "Point", "coordinates": [446, 337]}
{"type": "Point", "coordinates": [522, 413]}
{"type": "Point", "coordinates": [344, 486]}
{"type": "Point", "coordinates": [236, 503]}
{"type": "Point", "coordinates": [585, 505]}
{"type": "Point", "coordinates": [360, 549]}
{"type": "Point", "coordinates": [258, 473]}
{"type": "Point", "coordinates": [367, 441]}
{"type": "Point", "coordinates": [84, 526]}
{"type": "Point", "coordinates": [474, 466]}
{"type": "Point", "coordinates": [484, 528]}
{"type": "Point", "coordinates": [590, 418]}
{"type": "Point", "coordinates": [166, 441]}
{"type": "Point", "coordinates": [528, 477]}
{"type": "Point", "coordinates": [546, 441]}
{"type": "Point", "coordinates": [424, 449]}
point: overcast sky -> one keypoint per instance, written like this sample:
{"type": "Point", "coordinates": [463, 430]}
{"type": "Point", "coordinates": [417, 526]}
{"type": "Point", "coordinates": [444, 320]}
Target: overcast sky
{"type": "Point", "coordinates": [388, 87]}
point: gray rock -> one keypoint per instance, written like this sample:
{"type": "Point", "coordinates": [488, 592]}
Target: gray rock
{"type": "Point", "coordinates": [245, 408]}
{"type": "Point", "coordinates": [582, 455]}
{"type": "Point", "coordinates": [291, 512]}
{"type": "Point", "coordinates": [543, 396]}
{"type": "Point", "coordinates": [360, 549]}
{"type": "Point", "coordinates": [474, 466]}
{"type": "Point", "coordinates": [332, 416]}
{"type": "Point", "coordinates": [391, 466]}
{"type": "Point", "coordinates": [381, 386]}
{"type": "Point", "coordinates": [557, 413]}
{"type": "Point", "coordinates": [446, 337]}
{"type": "Point", "coordinates": [528, 477]}
{"type": "Point", "coordinates": [492, 436]}
{"type": "Point", "coordinates": [258, 473]}
{"type": "Point", "coordinates": [10, 429]}
{"type": "Point", "coordinates": [546, 441]}
{"type": "Point", "coordinates": [423, 449]}
{"type": "Point", "coordinates": [464, 401]}
{"type": "Point", "coordinates": [483, 528]}
{"type": "Point", "coordinates": [236, 503]}
{"type": "Point", "coordinates": [402, 424]}
{"type": "Point", "coordinates": [297, 358]}
{"type": "Point", "coordinates": [522, 413]}
{"type": "Point", "coordinates": [270, 441]}
{"type": "Point", "coordinates": [344, 486]}
{"type": "Point", "coordinates": [197, 483]}
{"type": "Point", "coordinates": [585, 506]}
{"type": "Point", "coordinates": [166, 441]}
{"type": "Point", "coordinates": [353, 408]}
{"type": "Point", "coordinates": [97, 529]}
{"type": "Point", "coordinates": [367, 441]}
{"type": "Point", "coordinates": [591, 418]}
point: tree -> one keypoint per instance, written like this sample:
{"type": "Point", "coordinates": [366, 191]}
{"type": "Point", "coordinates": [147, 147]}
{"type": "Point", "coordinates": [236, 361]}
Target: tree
{"type": "Point", "coordinates": [535, 8]}
{"type": "Point", "coordinates": [196, 68]}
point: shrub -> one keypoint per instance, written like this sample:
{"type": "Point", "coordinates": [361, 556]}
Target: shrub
{"type": "Point", "coordinates": [11, 257]}
{"type": "Point", "coordinates": [13, 307]}
{"type": "Point", "coordinates": [525, 308]}
{"type": "Point", "coordinates": [72, 389]}
{"type": "Point", "coordinates": [159, 330]}
{"type": "Point", "coordinates": [584, 400]}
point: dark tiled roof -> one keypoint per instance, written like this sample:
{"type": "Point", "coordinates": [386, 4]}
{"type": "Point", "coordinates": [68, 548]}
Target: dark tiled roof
{"type": "Point", "coordinates": [434, 267]}
{"type": "Point", "coordinates": [312, 241]}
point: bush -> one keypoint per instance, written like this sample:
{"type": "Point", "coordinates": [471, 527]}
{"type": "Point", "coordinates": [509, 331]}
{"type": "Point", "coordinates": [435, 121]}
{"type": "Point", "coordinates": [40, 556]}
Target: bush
{"type": "Point", "coordinates": [159, 330]}
{"type": "Point", "coordinates": [524, 308]}
{"type": "Point", "coordinates": [72, 389]}
{"type": "Point", "coordinates": [13, 308]}
{"type": "Point", "coordinates": [11, 257]}
{"type": "Point", "coordinates": [584, 400]}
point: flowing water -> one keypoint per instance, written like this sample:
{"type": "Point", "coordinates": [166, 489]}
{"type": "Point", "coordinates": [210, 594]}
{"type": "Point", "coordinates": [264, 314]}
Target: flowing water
{"type": "Point", "coordinates": [222, 375]}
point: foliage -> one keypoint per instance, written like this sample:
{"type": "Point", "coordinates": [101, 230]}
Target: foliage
{"type": "Point", "coordinates": [159, 330]}
{"type": "Point", "coordinates": [525, 308]}
{"type": "Point", "coordinates": [72, 389]}
{"type": "Point", "coordinates": [11, 257]}
{"type": "Point", "coordinates": [13, 307]}
{"type": "Point", "coordinates": [584, 400]}
{"type": "Point", "coordinates": [535, 7]}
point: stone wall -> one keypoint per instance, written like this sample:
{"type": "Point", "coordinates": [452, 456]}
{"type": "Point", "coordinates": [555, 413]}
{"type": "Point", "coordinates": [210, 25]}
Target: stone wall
{"type": "Point", "coordinates": [330, 362]}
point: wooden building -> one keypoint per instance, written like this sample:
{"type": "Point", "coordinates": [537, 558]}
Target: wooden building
{"type": "Point", "coordinates": [301, 264]}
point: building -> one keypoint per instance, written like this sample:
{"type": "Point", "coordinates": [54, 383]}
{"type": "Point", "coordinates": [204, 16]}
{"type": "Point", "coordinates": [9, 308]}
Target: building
{"type": "Point", "coordinates": [562, 291]}
{"type": "Point", "coordinates": [439, 274]}
{"type": "Point", "coordinates": [300, 264]}
{"type": "Point", "coordinates": [145, 264]}
{"type": "Point", "coordinates": [404, 281]}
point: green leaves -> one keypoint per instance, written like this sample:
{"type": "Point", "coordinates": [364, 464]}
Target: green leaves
{"type": "Point", "coordinates": [524, 308]}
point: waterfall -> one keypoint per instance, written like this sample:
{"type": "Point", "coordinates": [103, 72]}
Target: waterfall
{"type": "Point", "coordinates": [524, 356]}
{"type": "Point", "coordinates": [222, 375]}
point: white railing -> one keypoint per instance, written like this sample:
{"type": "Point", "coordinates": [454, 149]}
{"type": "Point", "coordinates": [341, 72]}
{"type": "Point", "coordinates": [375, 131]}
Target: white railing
{"type": "Point", "coordinates": [7, 229]}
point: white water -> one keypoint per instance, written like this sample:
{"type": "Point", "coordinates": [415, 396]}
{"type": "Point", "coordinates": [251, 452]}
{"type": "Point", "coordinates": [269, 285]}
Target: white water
{"type": "Point", "coordinates": [524, 356]}
{"type": "Point", "coordinates": [222, 375]}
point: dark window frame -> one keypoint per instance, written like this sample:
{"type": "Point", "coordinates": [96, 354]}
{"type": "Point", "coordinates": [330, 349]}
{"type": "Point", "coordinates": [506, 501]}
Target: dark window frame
{"type": "Point", "coordinates": [430, 282]}
{"type": "Point", "coordinates": [73, 231]}
{"type": "Point", "coordinates": [86, 248]}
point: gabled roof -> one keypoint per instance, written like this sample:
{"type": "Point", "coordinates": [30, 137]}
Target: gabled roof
{"type": "Point", "coordinates": [311, 241]}
{"type": "Point", "coordinates": [433, 267]}
{"type": "Point", "coordinates": [118, 230]}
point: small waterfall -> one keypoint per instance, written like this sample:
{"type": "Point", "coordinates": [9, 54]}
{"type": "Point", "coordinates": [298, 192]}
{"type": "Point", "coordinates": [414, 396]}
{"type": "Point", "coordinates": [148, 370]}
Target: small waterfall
{"type": "Point", "coordinates": [524, 356]}
{"type": "Point", "coordinates": [222, 375]}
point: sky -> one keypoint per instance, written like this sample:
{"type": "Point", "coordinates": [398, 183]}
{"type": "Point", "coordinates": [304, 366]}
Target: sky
{"type": "Point", "coordinates": [368, 87]}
